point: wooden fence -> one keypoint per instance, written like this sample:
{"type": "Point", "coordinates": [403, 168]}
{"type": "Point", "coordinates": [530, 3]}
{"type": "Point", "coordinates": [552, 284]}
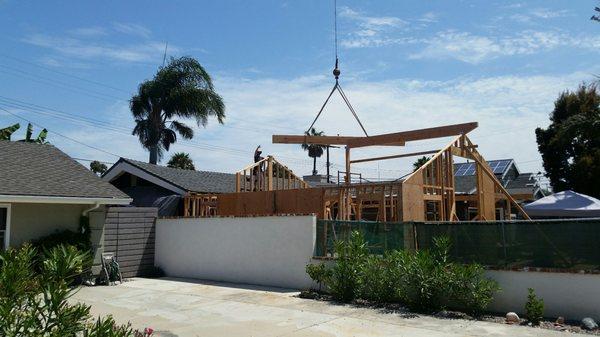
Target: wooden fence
{"type": "Point", "coordinates": [129, 232]}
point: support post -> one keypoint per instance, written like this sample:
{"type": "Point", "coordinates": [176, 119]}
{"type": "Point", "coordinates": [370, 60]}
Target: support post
{"type": "Point", "coordinates": [347, 165]}
{"type": "Point", "coordinates": [270, 174]}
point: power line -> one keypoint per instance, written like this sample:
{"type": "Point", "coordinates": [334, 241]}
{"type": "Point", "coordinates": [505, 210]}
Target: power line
{"type": "Point", "coordinates": [59, 134]}
{"type": "Point", "coordinates": [38, 109]}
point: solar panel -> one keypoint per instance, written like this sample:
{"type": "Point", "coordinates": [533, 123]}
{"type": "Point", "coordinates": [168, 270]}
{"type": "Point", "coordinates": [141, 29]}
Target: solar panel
{"type": "Point", "coordinates": [468, 169]}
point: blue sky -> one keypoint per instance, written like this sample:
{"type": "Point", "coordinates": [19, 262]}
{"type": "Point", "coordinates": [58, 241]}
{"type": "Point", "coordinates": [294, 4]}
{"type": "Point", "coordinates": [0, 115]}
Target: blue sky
{"type": "Point", "coordinates": [71, 66]}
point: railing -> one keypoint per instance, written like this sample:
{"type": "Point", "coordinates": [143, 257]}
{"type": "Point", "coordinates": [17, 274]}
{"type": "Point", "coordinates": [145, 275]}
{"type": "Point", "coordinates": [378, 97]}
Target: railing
{"type": "Point", "coordinates": [570, 244]}
{"type": "Point", "coordinates": [267, 175]}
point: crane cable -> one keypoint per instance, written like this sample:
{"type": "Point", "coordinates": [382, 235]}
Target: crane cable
{"type": "Point", "coordinates": [336, 86]}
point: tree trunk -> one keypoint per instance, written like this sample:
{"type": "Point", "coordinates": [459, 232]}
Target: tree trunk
{"type": "Point", "coordinates": [314, 166]}
{"type": "Point", "coordinates": [153, 154]}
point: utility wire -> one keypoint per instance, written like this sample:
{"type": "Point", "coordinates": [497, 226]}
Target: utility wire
{"type": "Point", "coordinates": [59, 134]}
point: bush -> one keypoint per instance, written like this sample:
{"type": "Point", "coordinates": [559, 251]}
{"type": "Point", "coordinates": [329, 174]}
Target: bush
{"type": "Point", "coordinates": [319, 273]}
{"type": "Point", "coordinates": [425, 280]}
{"type": "Point", "coordinates": [378, 280]}
{"type": "Point", "coordinates": [34, 303]}
{"type": "Point", "coordinates": [79, 240]}
{"type": "Point", "coordinates": [534, 308]}
{"type": "Point", "coordinates": [345, 274]}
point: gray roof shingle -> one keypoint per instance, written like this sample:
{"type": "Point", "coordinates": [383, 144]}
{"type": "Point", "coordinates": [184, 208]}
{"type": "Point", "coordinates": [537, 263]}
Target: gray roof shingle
{"type": "Point", "coordinates": [191, 181]}
{"type": "Point", "coordinates": [31, 169]}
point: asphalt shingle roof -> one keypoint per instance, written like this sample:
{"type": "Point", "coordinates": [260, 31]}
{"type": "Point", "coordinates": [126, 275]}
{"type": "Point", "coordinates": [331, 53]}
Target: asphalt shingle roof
{"type": "Point", "coordinates": [43, 170]}
{"type": "Point", "coordinates": [191, 181]}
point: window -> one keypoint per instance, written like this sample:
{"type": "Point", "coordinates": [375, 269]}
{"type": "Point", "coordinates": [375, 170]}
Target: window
{"type": "Point", "coordinates": [4, 225]}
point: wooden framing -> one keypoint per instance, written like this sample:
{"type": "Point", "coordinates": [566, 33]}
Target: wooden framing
{"type": "Point", "coordinates": [428, 194]}
{"type": "Point", "coordinates": [267, 174]}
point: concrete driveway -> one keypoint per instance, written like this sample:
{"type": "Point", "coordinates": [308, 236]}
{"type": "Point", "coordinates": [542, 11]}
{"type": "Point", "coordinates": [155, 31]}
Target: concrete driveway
{"type": "Point", "coordinates": [177, 307]}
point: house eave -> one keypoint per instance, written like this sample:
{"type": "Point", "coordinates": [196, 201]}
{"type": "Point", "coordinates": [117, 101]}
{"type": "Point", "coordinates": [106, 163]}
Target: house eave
{"type": "Point", "coordinates": [7, 198]}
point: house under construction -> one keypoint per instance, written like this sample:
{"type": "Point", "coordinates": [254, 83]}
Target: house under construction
{"type": "Point", "coordinates": [267, 187]}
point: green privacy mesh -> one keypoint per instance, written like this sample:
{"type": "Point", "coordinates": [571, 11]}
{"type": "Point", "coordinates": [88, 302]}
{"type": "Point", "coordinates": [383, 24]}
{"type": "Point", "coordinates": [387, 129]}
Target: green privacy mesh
{"type": "Point", "coordinates": [563, 244]}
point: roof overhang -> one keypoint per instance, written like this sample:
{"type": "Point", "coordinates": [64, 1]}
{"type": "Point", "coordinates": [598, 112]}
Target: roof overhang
{"type": "Point", "coordinates": [63, 200]}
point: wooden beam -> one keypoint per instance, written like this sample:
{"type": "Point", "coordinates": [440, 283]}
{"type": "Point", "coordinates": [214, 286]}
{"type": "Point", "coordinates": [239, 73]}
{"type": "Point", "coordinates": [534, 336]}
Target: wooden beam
{"type": "Point", "coordinates": [421, 134]}
{"type": "Point", "coordinates": [389, 139]}
{"type": "Point", "coordinates": [394, 156]}
{"type": "Point", "coordinates": [320, 140]}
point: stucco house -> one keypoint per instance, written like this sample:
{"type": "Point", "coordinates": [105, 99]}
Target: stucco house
{"type": "Point", "coordinates": [43, 190]}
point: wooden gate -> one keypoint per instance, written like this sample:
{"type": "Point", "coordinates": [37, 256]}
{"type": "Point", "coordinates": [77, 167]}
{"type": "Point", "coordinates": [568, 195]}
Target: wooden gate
{"type": "Point", "coordinates": [129, 233]}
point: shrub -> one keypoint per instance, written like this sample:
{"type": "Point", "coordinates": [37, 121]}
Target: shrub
{"type": "Point", "coordinates": [534, 308]}
{"type": "Point", "coordinates": [471, 290]}
{"type": "Point", "coordinates": [319, 273]}
{"type": "Point", "coordinates": [34, 303]}
{"type": "Point", "coordinates": [378, 281]}
{"type": "Point", "coordinates": [345, 274]}
{"type": "Point", "coordinates": [425, 280]}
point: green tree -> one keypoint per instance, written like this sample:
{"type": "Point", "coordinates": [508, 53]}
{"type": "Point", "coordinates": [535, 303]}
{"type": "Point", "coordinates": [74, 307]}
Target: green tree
{"type": "Point", "coordinates": [6, 132]}
{"type": "Point", "coordinates": [314, 150]}
{"type": "Point", "coordinates": [570, 146]}
{"type": "Point", "coordinates": [181, 160]}
{"type": "Point", "coordinates": [181, 89]}
{"type": "Point", "coordinates": [420, 162]}
{"type": "Point", "coordinates": [98, 167]}
{"type": "Point", "coordinates": [40, 139]}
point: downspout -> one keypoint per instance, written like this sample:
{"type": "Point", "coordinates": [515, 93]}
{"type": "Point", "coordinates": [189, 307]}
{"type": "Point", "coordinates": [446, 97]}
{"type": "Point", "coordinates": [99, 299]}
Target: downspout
{"type": "Point", "coordinates": [85, 212]}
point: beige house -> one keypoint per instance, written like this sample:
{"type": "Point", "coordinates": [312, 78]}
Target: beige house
{"type": "Point", "coordinates": [43, 190]}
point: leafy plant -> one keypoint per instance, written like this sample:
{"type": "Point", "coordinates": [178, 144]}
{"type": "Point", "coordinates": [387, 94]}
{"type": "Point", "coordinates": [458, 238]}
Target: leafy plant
{"type": "Point", "coordinates": [425, 280]}
{"type": "Point", "coordinates": [379, 280]}
{"type": "Point", "coordinates": [34, 303]}
{"type": "Point", "coordinates": [534, 308]}
{"type": "Point", "coordinates": [6, 133]}
{"type": "Point", "coordinates": [98, 168]}
{"type": "Point", "coordinates": [345, 274]}
{"type": "Point", "coordinates": [40, 139]}
{"type": "Point", "coordinates": [319, 273]}
{"type": "Point", "coordinates": [182, 161]}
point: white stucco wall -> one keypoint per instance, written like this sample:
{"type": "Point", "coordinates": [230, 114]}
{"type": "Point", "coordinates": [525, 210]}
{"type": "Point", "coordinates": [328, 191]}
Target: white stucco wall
{"type": "Point", "coordinates": [270, 251]}
{"type": "Point", "coordinates": [572, 296]}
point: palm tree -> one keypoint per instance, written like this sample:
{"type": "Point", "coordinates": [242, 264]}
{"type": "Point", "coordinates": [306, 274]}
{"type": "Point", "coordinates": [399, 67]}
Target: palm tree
{"type": "Point", "coordinates": [314, 150]}
{"type": "Point", "coordinates": [181, 89]}
{"type": "Point", "coordinates": [6, 132]}
{"type": "Point", "coordinates": [420, 162]}
{"type": "Point", "coordinates": [181, 160]}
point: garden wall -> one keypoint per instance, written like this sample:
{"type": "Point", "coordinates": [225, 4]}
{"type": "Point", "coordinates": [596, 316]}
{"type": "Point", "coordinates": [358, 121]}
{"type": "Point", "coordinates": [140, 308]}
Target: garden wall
{"type": "Point", "coordinates": [271, 251]}
{"type": "Point", "coordinates": [570, 295]}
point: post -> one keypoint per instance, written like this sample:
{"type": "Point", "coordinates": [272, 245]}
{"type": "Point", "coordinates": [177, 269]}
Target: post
{"type": "Point", "coordinates": [270, 174]}
{"type": "Point", "coordinates": [328, 164]}
{"type": "Point", "coordinates": [347, 165]}
{"type": "Point", "coordinates": [237, 182]}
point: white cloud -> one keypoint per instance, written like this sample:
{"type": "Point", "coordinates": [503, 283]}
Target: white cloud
{"type": "Point", "coordinates": [132, 29]}
{"type": "Point", "coordinates": [474, 49]}
{"type": "Point", "coordinates": [546, 13]}
{"type": "Point", "coordinates": [88, 49]}
{"type": "Point", "coordinates": [369, 30]}
{"type": "Point", "coordinates": [508, 108]}
{"type": "Point", "coordinates": [89, 31]}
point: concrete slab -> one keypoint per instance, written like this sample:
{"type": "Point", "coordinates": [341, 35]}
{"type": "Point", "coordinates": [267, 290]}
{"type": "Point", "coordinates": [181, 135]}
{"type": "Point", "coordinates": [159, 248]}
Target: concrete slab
{"type": "Point", "coordinates": [178, 308]}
